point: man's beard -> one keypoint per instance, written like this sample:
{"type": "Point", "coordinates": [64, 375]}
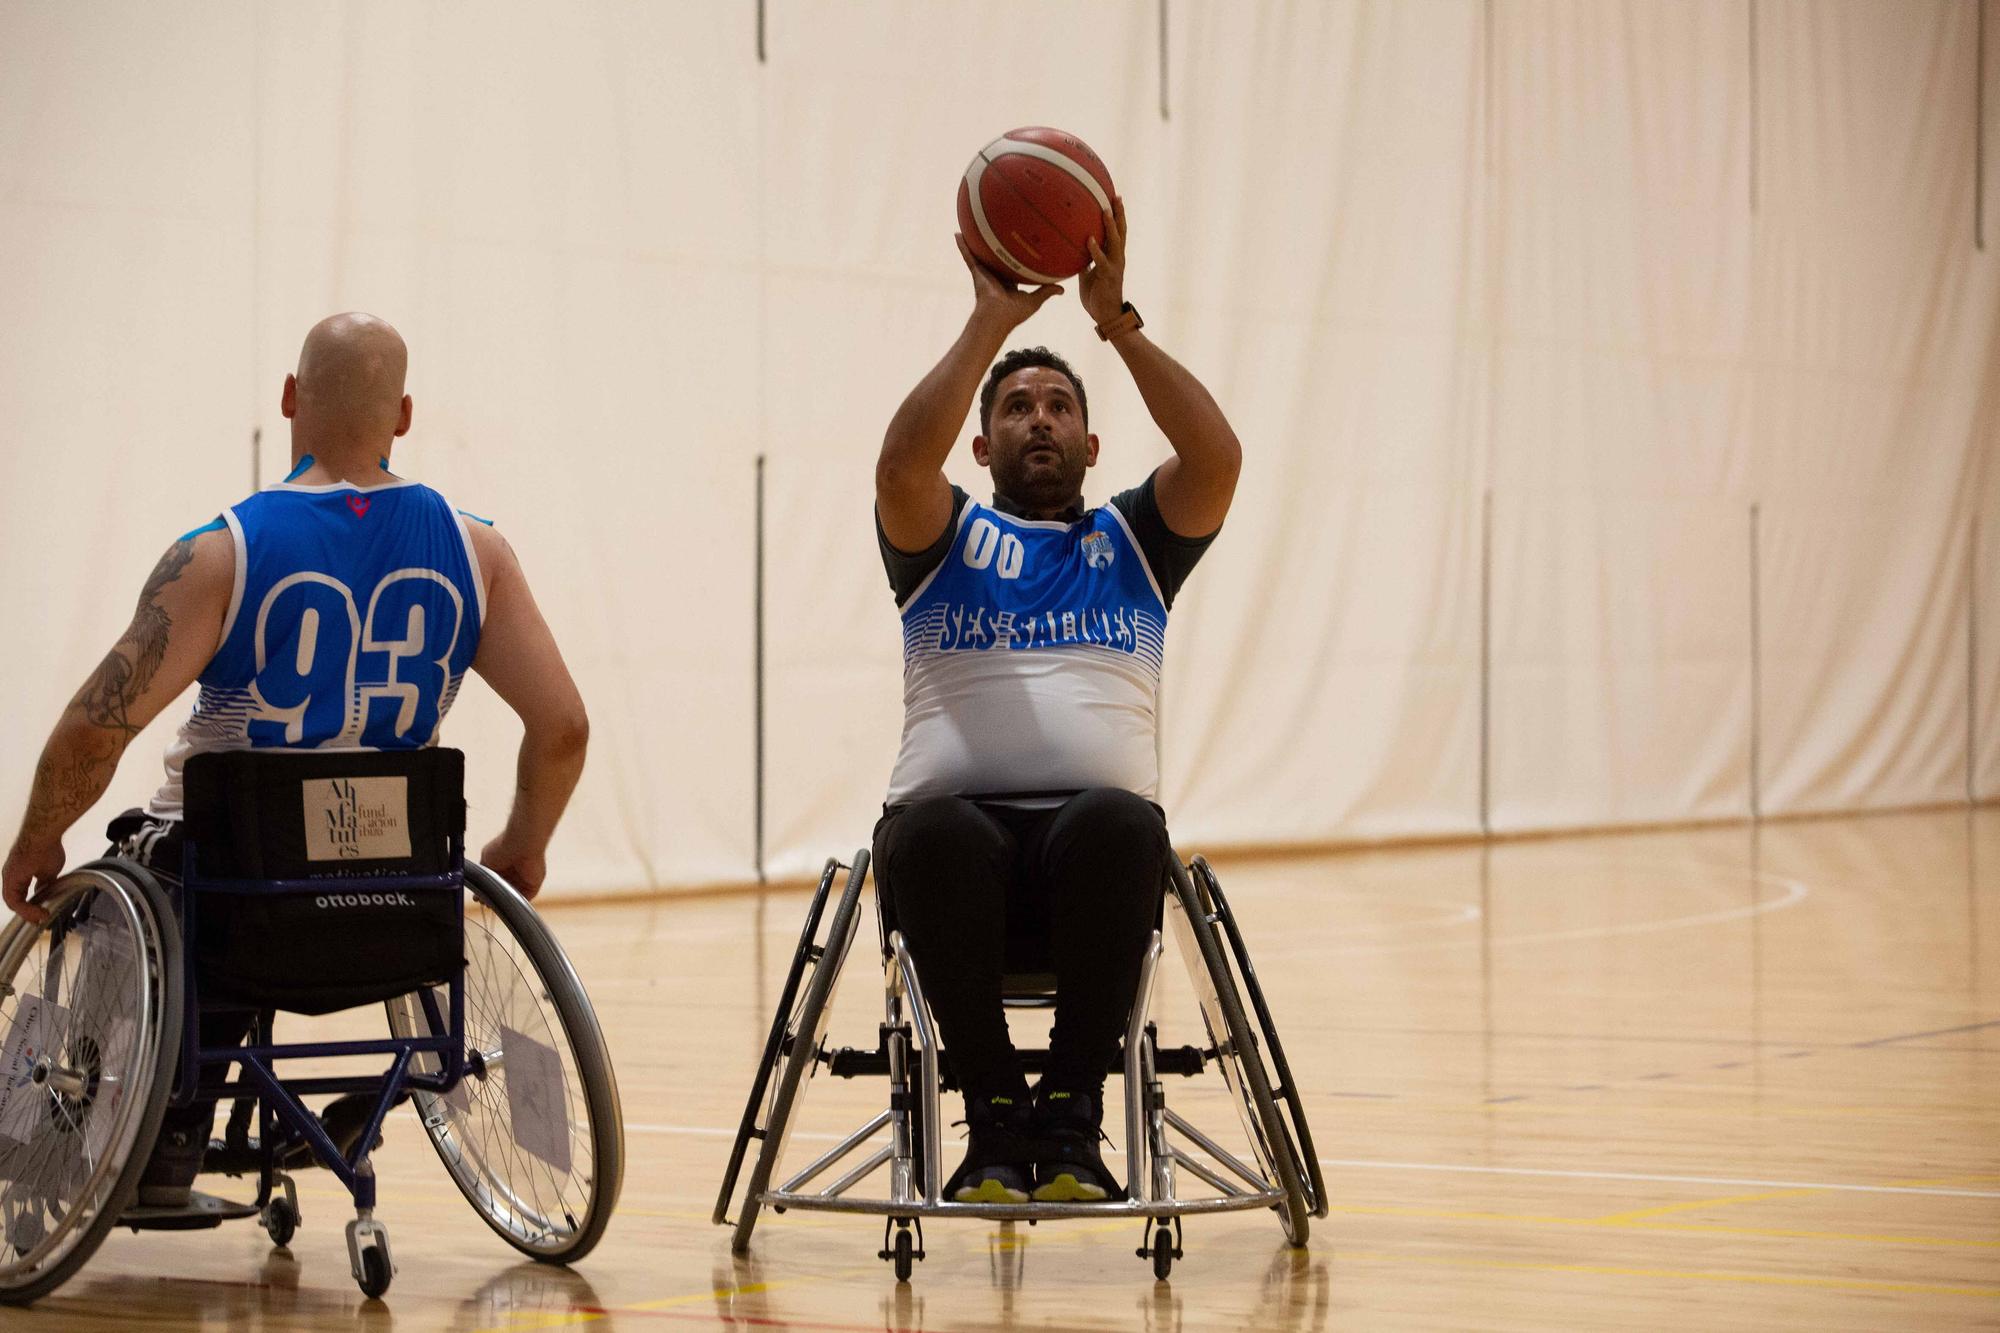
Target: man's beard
{"type": "Point", "coordinates": [1041, 489]}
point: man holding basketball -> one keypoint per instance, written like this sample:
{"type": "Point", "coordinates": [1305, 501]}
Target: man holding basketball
{"type": "Point", "coordinates": [1021, 805]}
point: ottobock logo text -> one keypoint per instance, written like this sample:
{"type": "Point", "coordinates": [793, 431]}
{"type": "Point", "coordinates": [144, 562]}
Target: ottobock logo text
{"type": "Point", "coordinates": [363, 900]}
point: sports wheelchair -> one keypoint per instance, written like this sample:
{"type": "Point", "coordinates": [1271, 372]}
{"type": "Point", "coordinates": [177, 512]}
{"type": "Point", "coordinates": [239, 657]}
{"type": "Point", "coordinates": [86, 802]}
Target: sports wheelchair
{"type": "Point", "coordinates": [310, 883]}
{"type": "Point", "coordinates": [1283, 1173]}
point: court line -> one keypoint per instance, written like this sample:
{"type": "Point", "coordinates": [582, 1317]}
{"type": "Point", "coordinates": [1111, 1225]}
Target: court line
{"type": "Point", "coordinates": [1568, 1174]}
{"type": "Point", "coordinates": [1796, 892]}
{"type": "Point", "coordinates": [1367, 1164]}
{"type": "Point", "coordinates": [1918, 1036]}
{"type": "Point", "coordinates": [1695, 1205]}
{"type": "Point", "coordinates": [1678, 1274]}
{"type": "Point", "coordinates": [1613, 1223]}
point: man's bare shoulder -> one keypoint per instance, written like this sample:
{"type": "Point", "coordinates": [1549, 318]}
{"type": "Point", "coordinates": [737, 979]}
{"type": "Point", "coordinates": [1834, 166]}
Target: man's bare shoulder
{"type": "Point", "coordinates": [202, 563]}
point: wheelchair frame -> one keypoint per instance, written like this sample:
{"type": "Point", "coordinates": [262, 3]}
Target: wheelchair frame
{"type": "Point", "coordinates": [164, 1018]}
{"type": "Point", "coordinates": [1284, 1174]}
{"type": "Point", "coordinates": [278, 1102]}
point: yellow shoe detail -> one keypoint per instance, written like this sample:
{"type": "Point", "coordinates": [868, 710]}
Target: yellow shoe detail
{"type": "Point", "coordinates": [1066, 1188]}
{"type": "Point", "coordinates": [990, 1191]}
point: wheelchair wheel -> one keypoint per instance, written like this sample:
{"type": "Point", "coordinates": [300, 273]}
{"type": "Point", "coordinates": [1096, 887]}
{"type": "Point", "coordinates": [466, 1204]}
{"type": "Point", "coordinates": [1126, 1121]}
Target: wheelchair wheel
{"type": "Point", "coordinates": [1238, 1052]}
{"type": "Point", "coordinates": [1283, 1088]}
{"type": "Point", "coordinates": [768, 1065]}
{"type": "Point", "coordinates": [800, 1044]}
{"type": "Point", "coordinates": [90, 1008]}
{"type": "Point", "coordinates": [543, 1171]}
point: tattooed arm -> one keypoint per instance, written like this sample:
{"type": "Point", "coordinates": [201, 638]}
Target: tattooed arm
{"type": "Point", "coordinates": [173, 634]}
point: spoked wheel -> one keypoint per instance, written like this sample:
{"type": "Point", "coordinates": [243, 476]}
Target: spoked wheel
{"type": "Point", "coordinates": [532, 1135]}
{"type": "Point", "coordinates": [798, 1043]}
{"type": "Point", "coordinates": [91, 1006]}
{"type": "Point", "coordinates": [1238, 1051]}
{"type": "Point", "coordinates": [1283, 1089]}
{"type": "Point", "coordinates": [804, 957]}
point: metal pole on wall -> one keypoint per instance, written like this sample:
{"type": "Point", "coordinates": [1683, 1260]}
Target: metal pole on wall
{"type": "Point", "coordinates": [1753, 106]}
{"type": "Point", "coordinates": [1486, 666]}
{"type": "Point", "coordinates": [1979, 132]}
{"type": "Point", "coordinates": [757, 670]}
{"type": "Point", "coordinates": [1972, 667]}
{"type": "Point", "coordinates": [1756, 673]}
{"type": "Point", "coordinates": [1163, 59]}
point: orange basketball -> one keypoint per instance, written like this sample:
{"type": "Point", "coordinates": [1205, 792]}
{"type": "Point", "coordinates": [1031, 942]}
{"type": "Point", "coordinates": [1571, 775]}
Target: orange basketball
{"type": "Point", "coordinates": [1031, 201]}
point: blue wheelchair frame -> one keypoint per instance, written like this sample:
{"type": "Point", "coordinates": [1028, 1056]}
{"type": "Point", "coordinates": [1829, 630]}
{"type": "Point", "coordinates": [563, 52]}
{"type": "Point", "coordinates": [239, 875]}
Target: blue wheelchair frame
{"type": "Point", "coordinates": [278, 1101]}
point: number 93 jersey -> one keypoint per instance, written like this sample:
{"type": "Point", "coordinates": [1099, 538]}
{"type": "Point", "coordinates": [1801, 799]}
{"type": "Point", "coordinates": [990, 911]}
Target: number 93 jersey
{"type": "Point", "coordinates": [1031, 662]}
{"type": "Point", "coordinates": [355, 614]}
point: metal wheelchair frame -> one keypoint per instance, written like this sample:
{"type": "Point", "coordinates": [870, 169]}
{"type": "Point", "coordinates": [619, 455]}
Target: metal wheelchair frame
{"type": "Point", "coordinates": [1283, 1174]}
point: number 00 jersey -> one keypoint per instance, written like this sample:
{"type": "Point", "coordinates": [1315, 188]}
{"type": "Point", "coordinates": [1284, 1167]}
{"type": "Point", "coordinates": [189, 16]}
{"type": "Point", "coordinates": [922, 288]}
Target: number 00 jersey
{"type": "Point", "coordinates": [1032, 651]}
{"type": "Point", "coordinates": [355, 614]}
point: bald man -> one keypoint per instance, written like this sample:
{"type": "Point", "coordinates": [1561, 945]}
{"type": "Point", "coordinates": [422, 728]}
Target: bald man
{"type": "Point", "coordinates": [336, 610]}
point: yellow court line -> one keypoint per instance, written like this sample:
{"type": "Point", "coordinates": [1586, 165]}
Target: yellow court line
{"type": "Point", "coordinates": [1680, 1274]}
{"type": "Point", "coordinates": [1694, 1228]}
{"type": "Point", "coordinates": [1696, 1205]}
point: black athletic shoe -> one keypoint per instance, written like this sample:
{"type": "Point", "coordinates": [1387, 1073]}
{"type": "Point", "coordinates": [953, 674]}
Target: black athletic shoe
{"type": "Point", "coordinates": [168, 1179]}
{"type": "Point", "coordinates": [999, 1152]}
{"type": "Point", "coordinates": [1067, 1167]}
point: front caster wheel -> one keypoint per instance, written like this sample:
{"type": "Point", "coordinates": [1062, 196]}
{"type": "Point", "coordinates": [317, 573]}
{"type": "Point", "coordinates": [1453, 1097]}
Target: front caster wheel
{"type": "Point", "coordinates": [1163, 1254]}
{"type": "Point", "coordinates": [905, 1258]}
{"type": "Point", "coordinates": [281, 1221]}
{"type": "Point", "coordinates": [375, 1273]}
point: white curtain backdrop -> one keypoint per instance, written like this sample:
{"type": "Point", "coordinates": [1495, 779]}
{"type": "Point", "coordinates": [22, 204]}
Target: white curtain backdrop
{"type": "Point", "coordinates": [1520, 309]}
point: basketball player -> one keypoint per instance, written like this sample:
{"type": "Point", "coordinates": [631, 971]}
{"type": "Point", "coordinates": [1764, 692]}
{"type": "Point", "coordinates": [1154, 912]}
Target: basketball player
{"type": "Point", "coordinates": [1021, 804]}
{"type": "Point", "coordinates": [337, 609]}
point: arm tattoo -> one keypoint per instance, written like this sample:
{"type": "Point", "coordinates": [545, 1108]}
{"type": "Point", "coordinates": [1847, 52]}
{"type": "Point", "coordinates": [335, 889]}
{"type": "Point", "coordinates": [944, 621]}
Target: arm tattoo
{"type": "Point", "coordinates": [106, 698]}
{"type": "Point", "coordinates": [77, 764]}
{"type": "Point", "coordinates": [68, 781]}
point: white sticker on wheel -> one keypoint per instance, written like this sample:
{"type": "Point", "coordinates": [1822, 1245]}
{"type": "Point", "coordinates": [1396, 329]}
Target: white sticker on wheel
{"type": "Point", "coordinates": [536, 1103]}
{"type": "Point", "coordinates": [23, 1102]}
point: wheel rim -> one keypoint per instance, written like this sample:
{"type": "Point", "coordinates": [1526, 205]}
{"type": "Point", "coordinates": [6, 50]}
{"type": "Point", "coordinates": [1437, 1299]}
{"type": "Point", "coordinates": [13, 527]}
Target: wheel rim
{"type": "Point", "coordinates": [83, 995]}
{"type": "Point", "coordinates": [537, 1200]}
{"type": "Point", "coordinates": [1216, 1024]}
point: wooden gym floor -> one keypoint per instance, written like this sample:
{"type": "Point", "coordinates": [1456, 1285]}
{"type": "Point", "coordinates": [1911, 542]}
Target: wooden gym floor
{"type": "Point", "coordinates": [1707, 1078]}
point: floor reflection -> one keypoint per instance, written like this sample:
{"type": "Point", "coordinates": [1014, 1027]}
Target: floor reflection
{"type": "Point", "coordinates": [527, 1295]}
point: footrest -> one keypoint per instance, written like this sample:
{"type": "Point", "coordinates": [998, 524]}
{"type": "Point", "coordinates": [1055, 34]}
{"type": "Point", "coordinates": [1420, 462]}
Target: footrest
{"type": "Point", "coordinates": [200, 1212]}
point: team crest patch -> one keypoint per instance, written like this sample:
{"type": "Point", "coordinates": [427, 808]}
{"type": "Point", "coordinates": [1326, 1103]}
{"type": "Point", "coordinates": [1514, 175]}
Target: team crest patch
{"type": "Point", "coordinates": [1097, 552]}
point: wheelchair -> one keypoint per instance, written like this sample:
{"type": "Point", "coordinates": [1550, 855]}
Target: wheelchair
{"type": "Point", "coordinates": [1281, 1172]}
{"type": "Point", "coordinates": [311, 883]}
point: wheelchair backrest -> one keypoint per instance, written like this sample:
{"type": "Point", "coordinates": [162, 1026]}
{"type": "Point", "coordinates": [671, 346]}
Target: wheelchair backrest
{"type": "Point", "coordinates": [319, 881]}
{"type": "Point", "coordinates": [260, 815]}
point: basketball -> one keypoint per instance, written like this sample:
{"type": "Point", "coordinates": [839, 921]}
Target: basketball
{"type": "Point", "coordinates": [1031, 201]}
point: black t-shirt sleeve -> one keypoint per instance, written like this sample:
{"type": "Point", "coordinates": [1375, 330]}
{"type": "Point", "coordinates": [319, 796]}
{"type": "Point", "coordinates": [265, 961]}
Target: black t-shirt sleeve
{"type": "Point", "coordinates": [905, 569]}
{"type": "Point", "coordinates": [1171, 556]}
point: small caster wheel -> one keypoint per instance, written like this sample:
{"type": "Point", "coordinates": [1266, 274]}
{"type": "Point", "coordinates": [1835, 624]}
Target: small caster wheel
{"type": "Point", "coordinates": [905, 1256]}
{"type": "Point", "coordinates": [281, 1221]}
{"type": "Point", "coordinates": [1163, 1253]}
{"type": "Point", "coordinates": [375, 1273]}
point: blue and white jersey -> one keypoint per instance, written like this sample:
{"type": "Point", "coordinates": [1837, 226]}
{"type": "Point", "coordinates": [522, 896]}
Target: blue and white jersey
{"type": "Point", "coordinates": [1032, 655]}
{"type": "Point", "coordinates": [356, 611]}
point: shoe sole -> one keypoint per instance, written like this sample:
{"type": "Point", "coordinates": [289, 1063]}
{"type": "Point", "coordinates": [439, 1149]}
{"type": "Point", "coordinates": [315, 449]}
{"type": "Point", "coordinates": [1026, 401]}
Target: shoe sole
{"type": "Point", "coordinates": [1066, 1188]}
{"type": "Point", "coordinates": [989, 1191]}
